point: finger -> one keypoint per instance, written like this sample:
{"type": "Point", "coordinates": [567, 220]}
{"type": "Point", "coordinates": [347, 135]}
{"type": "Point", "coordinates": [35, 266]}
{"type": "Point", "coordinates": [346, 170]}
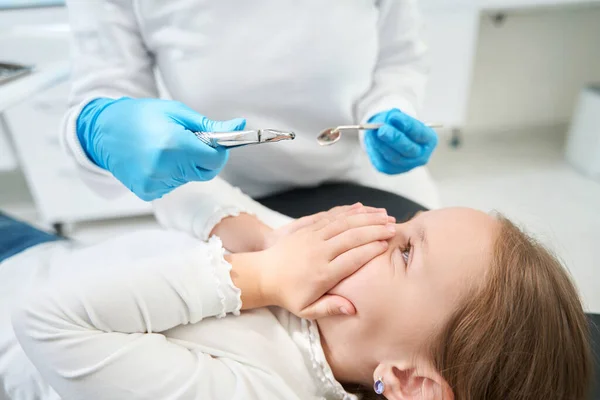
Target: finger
{"type": "Point", "coordinates": [337, 210]}
{"type": "Point", "coordinates": [396, 140]}
{"type": "Point", "coordinates": [358, 207]}
{"type": "Point", "coordinates": [357, 237]}
{"type": "Point", "coordinates": [150, 196]}
{"type": "Point", "coordinates": [187, 118]}
{"type": "Point", "coordinates": [193, 152]}
{"type": "Point", "coordinates": [200, 154]}
{"type": "Point", "coordinates": [199, 173]}
{"type": "Point", "coordinates": [327, 306]}
{"type": "Point", "coordinates": [365, 210]}
{"type": "Point", "coordinates": [368, 210]}
{"type": "Point", "coordinates": [196, 170]}
{"type": "Point", "coordinates": [346, 222]}
{"type": "Point", "coordinates": [414, 129]}
{"type": "Point", "coordinates": [322, 219]}
{"type": "Point", "coordinates": [304, 222]}
{"type": "Point", "coordinates": [356, 211]}
{"type": "Point", "coordinates": [203, 175]}
{"type": "Point", "coordinates": [351, 261]}
{"type": "Point", "coordinates": [372, 145]}
{"type": "Point", "coordinates": [391, 168]}
{"type": "Point", "coordinates": [341, 209]}
{"type": "Point", "coordinates": [150, 189]}
{"type": "Point", "coordinates": [232, 125]}
{"type": "Point", "coordinates": [195, 122]}
{"type": "Point", "coordinates": [321, 223]}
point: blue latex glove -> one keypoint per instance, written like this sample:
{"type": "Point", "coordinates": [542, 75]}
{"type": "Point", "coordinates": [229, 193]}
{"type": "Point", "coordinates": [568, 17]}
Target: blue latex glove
{"type": "Point", "coordinates": [401, 144]}
{"type": "Point", "coordinates": [148, 144]}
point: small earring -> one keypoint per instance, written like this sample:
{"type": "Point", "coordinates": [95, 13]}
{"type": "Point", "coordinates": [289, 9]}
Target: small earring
{"type": "Point", "coordinates": [379, 386]}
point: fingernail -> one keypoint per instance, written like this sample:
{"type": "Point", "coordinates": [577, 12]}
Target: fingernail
{"type": "Point", "coordinates": [391, 228]}
{"type": "Point", "coordinates": [344, 310]}
{"type": "Point", "coordinates": [391, 219]}
{"type": "Point", "coordinates": [356, 205]}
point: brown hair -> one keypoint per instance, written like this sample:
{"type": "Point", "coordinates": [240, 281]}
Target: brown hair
{"type": "Point", "coordinates": [522, 335]}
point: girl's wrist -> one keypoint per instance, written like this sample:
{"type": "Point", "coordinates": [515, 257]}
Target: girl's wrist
{"type": "Point", "coordinates": [263, 236]}
{"type": "Point", "coordinates": [243, 233]}
{"type": "Point", "coordinates": [247, 275]}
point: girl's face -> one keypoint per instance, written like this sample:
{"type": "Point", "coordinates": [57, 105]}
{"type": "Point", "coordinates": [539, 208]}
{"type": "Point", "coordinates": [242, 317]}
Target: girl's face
{"type": "Point", "coordinates": [403, 296]}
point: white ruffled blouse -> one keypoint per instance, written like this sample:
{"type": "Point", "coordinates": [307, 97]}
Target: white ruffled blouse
{"type": "Point", "coordinates": [155, 315]}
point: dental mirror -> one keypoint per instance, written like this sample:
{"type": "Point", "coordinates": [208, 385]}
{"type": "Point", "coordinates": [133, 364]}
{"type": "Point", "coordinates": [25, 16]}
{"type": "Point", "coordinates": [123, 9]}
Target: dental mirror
{"type": "Point", "coordinates": [331, 136]}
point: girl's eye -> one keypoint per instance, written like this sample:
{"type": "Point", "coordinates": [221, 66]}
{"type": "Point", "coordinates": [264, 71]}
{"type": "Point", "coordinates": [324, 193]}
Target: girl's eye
{"type": "Point", "coordinates": [406, 254]}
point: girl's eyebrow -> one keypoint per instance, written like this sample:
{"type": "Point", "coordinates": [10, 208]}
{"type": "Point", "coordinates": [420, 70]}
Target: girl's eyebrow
{"type": "Point", "coordinates": [422, 232]}
{"type": "Point", "coordinates": [423, 238]}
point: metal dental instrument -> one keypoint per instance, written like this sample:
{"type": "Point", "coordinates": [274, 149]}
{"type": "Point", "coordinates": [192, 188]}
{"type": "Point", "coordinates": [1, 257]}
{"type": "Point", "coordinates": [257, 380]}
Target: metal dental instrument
{"type": "Point", "coordinates": [243, 138]}
{"type": "Point", "coordinates": [331, 136]}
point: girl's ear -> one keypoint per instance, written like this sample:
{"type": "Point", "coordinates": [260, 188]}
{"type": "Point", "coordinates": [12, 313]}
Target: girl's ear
{"type": "Point", "coordinates": [403, 381]}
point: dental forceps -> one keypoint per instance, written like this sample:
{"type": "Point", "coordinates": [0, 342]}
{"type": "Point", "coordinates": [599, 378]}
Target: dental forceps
{"type": "Point", "coordinates": [331, 136]}
{"type": "Point", "coordinates": [243, 138]}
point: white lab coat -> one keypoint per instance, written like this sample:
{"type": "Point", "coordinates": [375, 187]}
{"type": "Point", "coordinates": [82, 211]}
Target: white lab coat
{"type": "Point", "coordinates": [284, 64]}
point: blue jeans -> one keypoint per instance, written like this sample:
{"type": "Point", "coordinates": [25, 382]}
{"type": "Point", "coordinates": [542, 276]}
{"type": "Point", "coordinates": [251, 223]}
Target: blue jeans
{"type": "Point", "coordinates": [17, 236]}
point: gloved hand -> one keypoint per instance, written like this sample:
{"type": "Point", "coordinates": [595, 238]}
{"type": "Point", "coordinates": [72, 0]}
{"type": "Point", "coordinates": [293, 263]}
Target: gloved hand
{"type": "Point", "coordinates": [148, 144]}
{"type": "Point", "coordinates": [401, 144]}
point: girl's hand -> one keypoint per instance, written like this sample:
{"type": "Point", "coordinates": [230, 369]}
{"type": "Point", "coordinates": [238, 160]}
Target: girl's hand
{"type": "Point", "coordinates": [245, 233]}
{"type": "Point", "coordinates": [298, 271]}
{"type": "Point", "coordinates": [273, 236]}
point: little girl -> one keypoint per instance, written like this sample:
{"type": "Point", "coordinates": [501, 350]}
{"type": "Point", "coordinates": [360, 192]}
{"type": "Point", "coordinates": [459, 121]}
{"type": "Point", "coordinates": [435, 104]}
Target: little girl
{"type": "Point", "coordinates": [453, 304]}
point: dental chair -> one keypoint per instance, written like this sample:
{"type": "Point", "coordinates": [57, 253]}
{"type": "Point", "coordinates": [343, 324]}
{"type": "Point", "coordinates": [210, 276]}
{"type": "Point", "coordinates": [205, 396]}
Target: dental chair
{"type": "Point", "coordinates": [595, 331]}
{"type": "Point", "coordinates": [299, 202]}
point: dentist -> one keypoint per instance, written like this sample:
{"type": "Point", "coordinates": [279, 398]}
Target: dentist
{"type": "Point", "coordinates": [294, 65]}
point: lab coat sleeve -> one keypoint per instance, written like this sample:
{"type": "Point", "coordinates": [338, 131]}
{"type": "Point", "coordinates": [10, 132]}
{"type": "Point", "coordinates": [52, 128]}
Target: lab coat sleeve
{"type": "Point", "coordinates": [109, 59]}
{"type": "Point", "coordinates": [400, 74]}
{"type": "Point", "coordinates": [96, 328]}
{"type": "Point", "coordinates": [197, 207]}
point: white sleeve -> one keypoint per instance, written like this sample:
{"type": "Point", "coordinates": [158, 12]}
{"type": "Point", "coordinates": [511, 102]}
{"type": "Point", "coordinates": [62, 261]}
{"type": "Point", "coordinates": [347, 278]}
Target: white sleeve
{"type": "Point", "coordinates": [400, 75]}
{"type": "Point", "coordinates": [109, 59]}
{"type": "Point", "coordinates": [197, 207]}
{"type": "Point", "coordinates": [95, 328]}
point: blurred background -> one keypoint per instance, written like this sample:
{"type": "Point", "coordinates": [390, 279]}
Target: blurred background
{"type": "Point", "coordinates": [516, 84]}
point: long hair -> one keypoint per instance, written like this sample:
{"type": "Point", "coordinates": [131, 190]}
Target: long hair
{"type": "Point", "coordinates": [522, 335]}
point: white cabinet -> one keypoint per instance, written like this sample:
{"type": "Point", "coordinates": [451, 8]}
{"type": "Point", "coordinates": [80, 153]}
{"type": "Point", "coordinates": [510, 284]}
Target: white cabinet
{"type": "Point", "coordinates": [59, 193]}
{"type": "Point", "coordinates": [8, 161]}
{"type": "Point", "coordinates": [34, 121]}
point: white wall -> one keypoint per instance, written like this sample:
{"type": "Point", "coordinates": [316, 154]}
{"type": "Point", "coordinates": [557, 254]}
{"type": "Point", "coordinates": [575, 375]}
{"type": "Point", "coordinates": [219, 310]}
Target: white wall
{"type": "Point", "coordinates": [529, 70]}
